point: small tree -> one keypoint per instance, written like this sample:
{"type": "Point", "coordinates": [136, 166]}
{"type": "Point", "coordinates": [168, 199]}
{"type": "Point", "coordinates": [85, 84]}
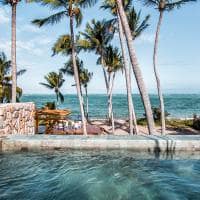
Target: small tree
{"type": "Point", "coordinates": [6, 80]}
{"type": "Point", "coordinates": [54, 81]}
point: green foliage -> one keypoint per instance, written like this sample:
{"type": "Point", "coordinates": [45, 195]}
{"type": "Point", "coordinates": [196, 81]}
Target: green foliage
{"type": "Point", "coordinates": [66, 9]}
{"type": "Point", "coordinates": [157, 114]}
{"type": "Point", "coordinates": [112, 59]}
{"type": "Point", "coordinates": [63, 45]}
{"type": "Point", "coordinates": [50, 105]}
{"type": "Point", "coordinates": [9, 2]}
{"type": "Point", "coordinates": [97, 36]}
{"type": "Point", "coordinates": [54, 81]}
{"type": "Point", "coordinates": [142, 121]}
{"type": "Point", "coordinates": [6, 80]}
{"type": "Point", "coordinates": [171, 123]}
{"type": "Point", "coordinates": [112, 7]}
{"type": "Point", "coordinates": [196, 122]}
{"type": "Point", "coordinates": [179, 124]}
{"type": "Point", "coordinates": [137, 25]}
{"type": "Point", "coordinates": [84, 75]}
{"type": "Point", "coordinates": [166, 5]}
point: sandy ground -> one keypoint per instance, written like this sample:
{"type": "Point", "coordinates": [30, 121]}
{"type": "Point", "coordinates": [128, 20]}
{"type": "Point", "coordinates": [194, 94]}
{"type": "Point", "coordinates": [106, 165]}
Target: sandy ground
{"type": "Point", "coordinates": [121, 128]}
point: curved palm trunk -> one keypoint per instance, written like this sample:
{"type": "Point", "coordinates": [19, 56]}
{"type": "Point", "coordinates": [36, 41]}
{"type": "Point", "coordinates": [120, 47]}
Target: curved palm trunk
{"type": "Point", "coordinates": [108, 86]}
{"type": "Point", "coordinates": [110, 106]}
{"type": "Point", "coordinates": [104, 74]}
{"type": "Point", "coordinates": [76, 77]}
{"type": "Point", "coordinates": [160, 95]}
{"type": "Point", "coordinates": [82, 98]}
{"type": "Point", "coordinates": [57, 100]}
{"type": "Point", "coordinates": [136, 69]}
{"type": "Point", "coordinates": [87, 103]}
{"type": "Point", "coordinates": [132, 115]}
{"type": "Point", "coordinates": [13, 54]}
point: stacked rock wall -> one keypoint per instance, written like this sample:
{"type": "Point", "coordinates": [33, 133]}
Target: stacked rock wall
{"type": "Point", "coordinates": [17, 118]}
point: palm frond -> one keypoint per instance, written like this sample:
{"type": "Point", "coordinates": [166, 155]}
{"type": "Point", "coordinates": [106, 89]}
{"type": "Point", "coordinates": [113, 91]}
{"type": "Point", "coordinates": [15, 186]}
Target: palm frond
{"type": "Point", "coordinates": [151, 3]}
{"type": "Point", "coordinates": [62, 45]}
{"type": "Point", "coordinates": [47, 85]}
{"type": "Point", "coordinates": [86, 3]}
{"type": "Point", "coordinates": [177, 4]}
{"type": "Point", "coordinates": [53, 19]}
{"type": "Point", "coordinates": [21, 72]}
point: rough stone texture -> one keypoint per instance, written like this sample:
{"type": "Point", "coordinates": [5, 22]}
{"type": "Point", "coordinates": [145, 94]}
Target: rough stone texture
{"type": "Point", "coordinates": [17, 118]}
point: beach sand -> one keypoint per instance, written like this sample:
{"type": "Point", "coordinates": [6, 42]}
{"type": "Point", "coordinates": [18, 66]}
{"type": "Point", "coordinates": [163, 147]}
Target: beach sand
{"type": "Point", "coordinates": [121, 128]}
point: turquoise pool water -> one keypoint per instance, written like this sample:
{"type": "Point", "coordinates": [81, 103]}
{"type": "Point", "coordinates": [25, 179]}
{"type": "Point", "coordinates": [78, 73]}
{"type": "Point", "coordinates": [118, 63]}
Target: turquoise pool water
{"type": "Point", "coordinates": [114, 175]}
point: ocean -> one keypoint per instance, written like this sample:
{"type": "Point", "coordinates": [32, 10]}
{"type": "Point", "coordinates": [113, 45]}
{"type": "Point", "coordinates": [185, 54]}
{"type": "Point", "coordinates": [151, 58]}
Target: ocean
{"type": "Point", "coordinates": [178, 105]}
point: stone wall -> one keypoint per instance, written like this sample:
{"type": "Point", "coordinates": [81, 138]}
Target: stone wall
{"type": "Point", "coordinates": [17, 118]}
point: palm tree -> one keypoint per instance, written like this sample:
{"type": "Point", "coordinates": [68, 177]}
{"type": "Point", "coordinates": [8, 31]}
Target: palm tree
{"type": "Point", "coordinates": [113, 63]}
{"type": "Point", "coordinates": [137, 28]}
{"type": "Point", "coordinates": [6, 80]}
{"type": "Point", "coordinates": [13, 4]}
{"type": "Point", "coordinates": [96, 37]}
{"type": "Point", "coordinates": [135, 66]}
{"type": "Point", "coordinates": [84, 78]}
{"type": "Point", "coordinates": [162, 6]}
{"type": "Point", "coordinates": [71, 9]}
{"type": "Point", "coordinates": [54, 81]}
{"type": "Point", "coordinates": [137, 25]}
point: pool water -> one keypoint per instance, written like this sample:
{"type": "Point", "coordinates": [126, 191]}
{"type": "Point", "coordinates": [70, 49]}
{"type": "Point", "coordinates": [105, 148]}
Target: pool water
{"type": "Point", "coordinates": [94, 175]}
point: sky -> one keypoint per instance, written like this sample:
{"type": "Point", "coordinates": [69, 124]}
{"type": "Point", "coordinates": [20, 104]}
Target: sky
{"type": "Point", "coordinates": [178, 56]}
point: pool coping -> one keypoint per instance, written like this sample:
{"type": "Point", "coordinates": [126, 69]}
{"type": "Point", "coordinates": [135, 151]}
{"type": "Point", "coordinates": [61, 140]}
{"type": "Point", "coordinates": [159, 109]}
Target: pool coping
{"type": "Point", "coordinates": [144, 143]}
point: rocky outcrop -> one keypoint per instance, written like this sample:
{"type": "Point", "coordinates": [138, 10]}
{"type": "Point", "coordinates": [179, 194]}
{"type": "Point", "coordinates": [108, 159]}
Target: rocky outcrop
{"type": "Point", "coordinates": [17, 118]}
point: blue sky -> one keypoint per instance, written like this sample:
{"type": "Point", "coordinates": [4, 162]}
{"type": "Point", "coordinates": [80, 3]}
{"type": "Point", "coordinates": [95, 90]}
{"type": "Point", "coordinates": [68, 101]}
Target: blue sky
{"type": "Point", "coordinates": [179, 57]}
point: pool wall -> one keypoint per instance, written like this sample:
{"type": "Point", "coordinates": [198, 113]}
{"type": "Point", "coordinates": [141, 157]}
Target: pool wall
{"type": "Point", "coordinates": [154, 144]}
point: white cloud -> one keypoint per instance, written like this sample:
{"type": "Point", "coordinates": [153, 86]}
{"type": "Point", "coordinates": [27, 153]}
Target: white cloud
{"type": "Point", "coordinates": [29, 28]}
{"type": "Point", "coordinates": [35, 46]}
{"type": "Point", "coordinates": [4, 16]}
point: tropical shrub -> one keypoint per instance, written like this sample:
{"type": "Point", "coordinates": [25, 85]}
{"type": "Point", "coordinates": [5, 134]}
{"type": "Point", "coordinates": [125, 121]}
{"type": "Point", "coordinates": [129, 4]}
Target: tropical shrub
{"type": "Point", "coordinates": [157, 113]}
{"type": "Point", "coordinates": [50, 105]}
{"type": "Point", "coordinates": [196, 122]}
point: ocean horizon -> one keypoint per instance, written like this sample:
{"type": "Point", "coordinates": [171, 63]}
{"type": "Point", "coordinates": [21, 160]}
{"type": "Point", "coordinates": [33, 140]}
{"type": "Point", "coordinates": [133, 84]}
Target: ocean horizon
{"type": "Point", "coordinates": [178, 105]}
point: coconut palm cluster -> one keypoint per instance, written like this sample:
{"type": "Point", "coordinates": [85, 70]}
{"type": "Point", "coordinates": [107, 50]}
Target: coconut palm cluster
{"type": "Point", "coordinates": [126, 23]}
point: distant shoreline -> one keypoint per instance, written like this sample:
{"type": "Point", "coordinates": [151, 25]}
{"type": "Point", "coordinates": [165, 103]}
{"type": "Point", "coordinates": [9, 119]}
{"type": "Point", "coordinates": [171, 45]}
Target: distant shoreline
{"type": "Point", "coordinates": [173, 93]}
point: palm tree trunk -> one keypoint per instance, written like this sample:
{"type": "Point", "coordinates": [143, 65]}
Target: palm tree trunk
{"type": "Point", "coordinates": [87, 103]}
{"type": "Point", "coordinates": [57, 100]}
{"type": "Point", "coordinates": [104, 73]}
{"type": "Point", "coordinates": [13, 54]}
{"type": "Point", "coordinates": [136, 68]}
{"type": "Point", "coordinates": [160, 95]}
{"type": "Point", "coordinates": [108, 84]}
{"type": "Point", "coordinates": [82, 98]}
{"type": "Point", "coordinates": [109, 100]}
{"type": "Point", "coordinates": [132, 115]}
{"type": "Point", "coordinates": [76, 75]}
{"type": "Point", "coordinates": [110, 106]}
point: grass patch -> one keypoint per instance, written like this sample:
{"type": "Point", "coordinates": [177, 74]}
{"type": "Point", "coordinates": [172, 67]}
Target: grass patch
{"type": "Point", "coordinates": [174, 123]}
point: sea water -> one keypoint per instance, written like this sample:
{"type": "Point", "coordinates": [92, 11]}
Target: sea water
{"type": "Point", "coordinates": [178, 105]}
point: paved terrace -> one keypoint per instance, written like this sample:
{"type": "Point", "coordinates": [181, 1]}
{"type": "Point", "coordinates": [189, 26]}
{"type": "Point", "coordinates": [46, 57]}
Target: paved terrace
{"type": "Point", "coordinates": [143, 143]}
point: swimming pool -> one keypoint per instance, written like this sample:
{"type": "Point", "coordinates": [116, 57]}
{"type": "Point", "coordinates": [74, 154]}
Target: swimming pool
{"type": "Point", "coordinates": [97, 175]}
